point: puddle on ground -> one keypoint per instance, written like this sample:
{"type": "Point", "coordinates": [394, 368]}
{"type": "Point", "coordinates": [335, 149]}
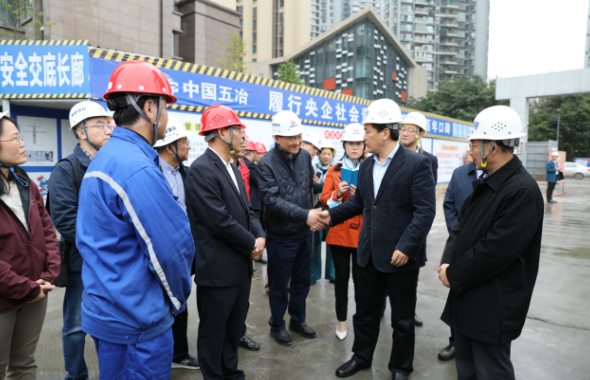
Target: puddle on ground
{"type": "Point", "coordinates": [578, 252]}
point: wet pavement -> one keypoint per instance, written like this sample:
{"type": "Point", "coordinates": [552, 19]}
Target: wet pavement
{"type": "Point", "coordinates": [555, 342]}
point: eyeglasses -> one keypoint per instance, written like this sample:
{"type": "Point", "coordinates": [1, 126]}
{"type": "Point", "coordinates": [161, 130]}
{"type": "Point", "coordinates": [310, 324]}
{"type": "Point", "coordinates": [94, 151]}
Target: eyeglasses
{"type": "Point", "coordinates": [408, 131]}
{"type": "Point", "coordinates": [17, 139]}
{"type": "Point", "coordinates": [103, 126]}
{"type": "Point", "coordinates": [471, 146]}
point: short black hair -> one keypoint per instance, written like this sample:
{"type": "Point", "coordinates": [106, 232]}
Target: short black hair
{"type": "Point", "coordinates": [393, 133]}
{"type": "Point", "coordinates": [129, 115]}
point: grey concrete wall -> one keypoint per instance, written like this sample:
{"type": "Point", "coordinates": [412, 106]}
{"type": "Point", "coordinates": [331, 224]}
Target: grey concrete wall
{"type": "Point", "coordinates": [205, 25]}
{"type": "Point", "coordinates": [482, 29]}
{"type": "Point", "coordinates": [125, 25]}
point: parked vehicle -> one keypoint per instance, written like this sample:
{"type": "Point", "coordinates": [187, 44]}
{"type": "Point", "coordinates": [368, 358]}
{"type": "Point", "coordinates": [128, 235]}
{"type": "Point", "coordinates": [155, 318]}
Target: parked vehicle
{"type": "Point", "coordinates": [576, 171]}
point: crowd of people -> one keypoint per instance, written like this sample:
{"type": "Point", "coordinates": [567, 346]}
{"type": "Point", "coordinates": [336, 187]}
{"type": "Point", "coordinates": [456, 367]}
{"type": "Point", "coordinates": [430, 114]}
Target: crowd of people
{"type": "Point", "coordinates": [137, 227]}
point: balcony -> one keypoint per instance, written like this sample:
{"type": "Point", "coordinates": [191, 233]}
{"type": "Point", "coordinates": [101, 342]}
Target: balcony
{"type": "Point", "coordinates": [447, 15]}
{"type": "Point", "coordinates": [421, 41]}
{"type": "Point", "coordinates": [449, 5]}
{"type": "Point", "coordinates": [424, 3]}
{"type": "Point", "coordinates": [450, 72]}
{"type": "Point", "coordinates": [447, 43]}
{"type": "Point", "coordinates": [449, 25]}
{"type": "Point", "coordinates": [422, 12]}
{"type": "Point", "coordinates": [452, 63]}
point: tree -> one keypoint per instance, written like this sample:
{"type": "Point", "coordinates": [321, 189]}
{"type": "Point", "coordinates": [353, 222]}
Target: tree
{"type": "Point", "coordinates": [235, 52]}
{"type": "Point", "coordinates": [18, 15]}
{"type": "Point", "coordinates": [288, 72]}
{"type": "Point", "coordinates": [574, 123]}
{"type": "Point", "coordinates": [461, 99]}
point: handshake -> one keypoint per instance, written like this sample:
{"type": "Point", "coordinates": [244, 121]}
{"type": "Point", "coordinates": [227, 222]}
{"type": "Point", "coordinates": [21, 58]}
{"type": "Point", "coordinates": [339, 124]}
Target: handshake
{"type": "Point", "coordinates": [318, 219]}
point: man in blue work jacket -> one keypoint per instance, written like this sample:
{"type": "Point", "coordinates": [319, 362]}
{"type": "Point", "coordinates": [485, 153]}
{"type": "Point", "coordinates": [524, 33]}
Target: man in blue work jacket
{"type": "Point", "coordinates": [133, 236]}
{"type": "Point", "coordinates": [89, 123]}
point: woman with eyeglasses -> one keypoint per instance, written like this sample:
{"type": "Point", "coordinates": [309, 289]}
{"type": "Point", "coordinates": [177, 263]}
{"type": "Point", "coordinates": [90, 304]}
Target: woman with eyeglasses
{"type": "Point", "coordinates": [29, 258]}
{"type": "Point", "coordinates": [343, 238]}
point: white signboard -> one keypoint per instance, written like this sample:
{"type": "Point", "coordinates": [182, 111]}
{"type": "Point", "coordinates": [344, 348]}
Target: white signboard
{"type": "Point", "coordinates": [450, 154]}
{"type": "Point", "coordinates": [68, 140]}
{"type": "Point", "coordinates": [40, 137]}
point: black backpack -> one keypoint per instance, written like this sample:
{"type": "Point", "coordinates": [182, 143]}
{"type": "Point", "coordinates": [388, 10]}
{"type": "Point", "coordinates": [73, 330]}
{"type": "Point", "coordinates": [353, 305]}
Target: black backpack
{"type": "Point", "coordinates": [64, 246]}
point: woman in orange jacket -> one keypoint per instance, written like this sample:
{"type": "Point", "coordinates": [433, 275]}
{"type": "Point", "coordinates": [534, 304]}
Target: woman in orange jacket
{"type": "Point", "coordinates": [343, 238]}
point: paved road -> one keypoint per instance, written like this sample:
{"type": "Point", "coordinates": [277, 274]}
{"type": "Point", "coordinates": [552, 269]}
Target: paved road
{"type": "Point", "coordinates": [555, 343]}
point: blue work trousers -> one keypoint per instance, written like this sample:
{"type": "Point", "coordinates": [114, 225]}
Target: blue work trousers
{"type": "Point", "coordinates": [288, 259]}
{"type": "Point", "coordinates": [149, 360]}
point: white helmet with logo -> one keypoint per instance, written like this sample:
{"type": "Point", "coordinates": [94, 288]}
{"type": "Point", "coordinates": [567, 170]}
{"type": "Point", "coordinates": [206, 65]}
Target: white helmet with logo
{"type": "Point", "coordinates": [286, 123]}
{"type": "Point", "coordinates": [327, 144]}
{"type": "Point", "coordinates": [86, 110]}
{"type": "Point", "coordinates": [312, 139]}
{"type": "Point", "coordinates": [383, 111]}
{"type": "Point", "coordinates": [497, 123]}
{"type": "Point", "coordinates": [354, 133]}
{"type": "Point", "coordinates": [417, 119]}
{"type": "Point", "coordinates": [175, 130]}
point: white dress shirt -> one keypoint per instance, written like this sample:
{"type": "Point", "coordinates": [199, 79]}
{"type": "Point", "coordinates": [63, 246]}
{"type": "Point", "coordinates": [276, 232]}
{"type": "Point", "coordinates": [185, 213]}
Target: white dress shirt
{"type": "Point", "coordinates": [229, 168]}
{"type": "Point", "coordinates": [380, 169]}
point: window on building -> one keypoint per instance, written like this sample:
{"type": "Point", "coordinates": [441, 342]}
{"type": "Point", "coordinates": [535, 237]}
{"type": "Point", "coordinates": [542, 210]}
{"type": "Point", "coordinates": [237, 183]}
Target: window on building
{"type": "Point", "coordinates": [175, 44]}
{"type": "Point", "coordinates": [253, 36]}
{"type": "Point", "coordinates": [6, 17]}
{"type": "Point", "coordinates": [240, 8]}
{"type": "Point", "coordinates": [254, 11]}
{"type": "Point", "coordinates": [254, 49]}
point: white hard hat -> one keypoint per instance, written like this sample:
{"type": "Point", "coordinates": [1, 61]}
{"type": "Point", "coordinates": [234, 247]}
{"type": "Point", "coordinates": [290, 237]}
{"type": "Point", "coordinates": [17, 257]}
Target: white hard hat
{"type": "Point", "coordinates": [86, 110]}
{"type": "Point", "coordinates": [327, 144]}
{"type": "Point", "coordinates": [554, 154]}
{"type": "Point", "coordinates": [383, 111]}
{"type": "Point", "coordinates": [174, 131]}
{"type": "Point", "coordinates": [497, 123]}
{"type": "Point", "coordinates": [417, 119]}
{"type": "Point", "coordinates": [353, 132]}
{"type": "Point", "coordinates": [286, 123]}
{"type": "Point", "coordinates": [312, 138]}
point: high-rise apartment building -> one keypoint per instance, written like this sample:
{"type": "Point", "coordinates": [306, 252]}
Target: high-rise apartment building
{"type": "Point", "coordinates": [332, 12]}
{"type": "Point", "coordinates": [447, 37]}
{"type": "Point", "coordinates": [587, 51]}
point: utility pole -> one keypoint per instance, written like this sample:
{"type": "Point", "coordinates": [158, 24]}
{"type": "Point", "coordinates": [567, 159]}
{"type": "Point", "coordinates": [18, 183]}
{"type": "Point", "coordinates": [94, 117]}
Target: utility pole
{"type": "Point", "coordinates": [558, 129]}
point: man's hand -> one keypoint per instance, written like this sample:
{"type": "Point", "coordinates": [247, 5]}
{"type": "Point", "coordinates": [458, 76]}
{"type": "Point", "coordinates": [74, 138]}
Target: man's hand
{"type": "Point", "coordinates": [314, 221]}
{"type": "Point", "coordinates": [259, 249]}
{"type": "Point", "coordinates": [351, 191]}
{"type": "Point", "coordinates": [325, 217]}
{"type": "Point", "coordinates": [316, 180]}
{"type": "Point", "coordinates": [442, 275]}
{"type": "Point", "coordinates": [342, 188]}
{"type": "Point", "coordinates": [399, 259]}
{"type": "Point", "coordinates": [44, 288]}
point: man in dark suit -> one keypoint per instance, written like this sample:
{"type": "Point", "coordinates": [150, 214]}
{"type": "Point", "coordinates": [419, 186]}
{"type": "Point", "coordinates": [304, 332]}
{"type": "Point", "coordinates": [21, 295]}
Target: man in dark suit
{"type": "Point", "coordinates": [227, 236]}
{"type": "Point", "coordinates": [249, 160]}
{"type": "Point", "coordinates": [395, 194]}
{"type": "Point", "coordinates": [491, 258]}
{"type": "Point", "coordinates": [414, 128]}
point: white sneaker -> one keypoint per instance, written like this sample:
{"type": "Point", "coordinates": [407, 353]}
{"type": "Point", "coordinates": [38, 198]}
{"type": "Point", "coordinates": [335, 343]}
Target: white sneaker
{"type": "Point", "coordinates": [340, 335]}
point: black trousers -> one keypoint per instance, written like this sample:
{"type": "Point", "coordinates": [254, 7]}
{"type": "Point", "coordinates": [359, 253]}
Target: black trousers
{"type": "Point", "coordinates": [222, 312]}
{"type": "Point", "coordinates": [550, 188]}
{"type": "Point", "coordinates": [179, 328]}
{"type": "Point", "coordinates": [342, 258]}
{"type": "Point", "coordinates": [401, 288]}
{"type": "Point", "coordinates": [477, 360]}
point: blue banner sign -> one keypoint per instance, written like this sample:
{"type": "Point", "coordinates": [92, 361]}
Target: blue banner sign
{"type": "Point", "coordinates": [201, 90]}
{"type": "Point", "coordinates": [44, 69]}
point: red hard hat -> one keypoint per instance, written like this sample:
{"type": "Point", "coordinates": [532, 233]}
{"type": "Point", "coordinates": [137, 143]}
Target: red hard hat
{"type": "Point", "coordinates": [139, 77]}
{"type": "Point", "coordinates": [250, 145]}
{"type": "Point", "coordinates": [260, 148]}
{"type": "Point", "coordinates": [218, 117]}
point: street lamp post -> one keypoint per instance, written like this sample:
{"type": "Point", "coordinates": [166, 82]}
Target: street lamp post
{"type": "Point", "coordinates": [558, 129]}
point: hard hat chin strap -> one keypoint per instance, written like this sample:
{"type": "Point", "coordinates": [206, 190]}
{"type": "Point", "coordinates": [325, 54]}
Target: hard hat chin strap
{"type": "Point", "coordinates": [231, 139]}
{"type": "Point", "coordinates": [87, 139]}
{"type": "Point", "coordinates": [182, 167]}
{"type": "Point", "coordinates": [155, 124]}
{"type": "Point", "coordinates": [484, 158]}
{"type": "Point", "coordinates": [18, 178]}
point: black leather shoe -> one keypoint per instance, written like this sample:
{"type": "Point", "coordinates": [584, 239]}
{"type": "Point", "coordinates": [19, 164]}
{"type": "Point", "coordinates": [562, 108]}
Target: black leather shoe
{"type": "Point", "coordinates": [303, 329]}
{"type": "Point", "coordinates": [249, 344]}
{"type": "Point", "coordinates": [261, 260]}
{"type": "Point", "coordinates": [417, 320]}
{"type": "Point", "coordinates": [281, 337]}
{"type": "Point", "coordinates": [399, 376]}
{"type": "Point", "coordinates": [350, 368]}
{"type": "Point", "coordinates": [447, 353]}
